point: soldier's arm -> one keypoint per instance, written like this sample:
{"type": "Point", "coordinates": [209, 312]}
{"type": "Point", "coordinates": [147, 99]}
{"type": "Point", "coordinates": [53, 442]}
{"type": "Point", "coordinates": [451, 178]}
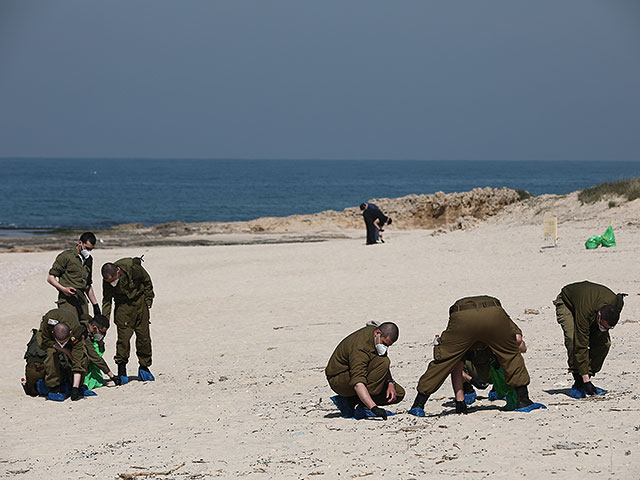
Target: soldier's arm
{"type": "Point", "coordinates": [358, 367]}
{"type": "Point", "coordinates": [95, 358]}
{"type": "Point", "coordinates": [78, 354]}
{"type": "Point", "coordinates": [107, 296]}
{"type": "Point", "coordinates": [148, 286]}
{"type": "Point", "coordinates": [581, 343]}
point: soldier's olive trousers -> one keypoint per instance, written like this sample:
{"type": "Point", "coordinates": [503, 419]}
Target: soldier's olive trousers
{"type": "Point", "coordinates": [490, 326]}
{"type": "Point", "coordinates": [376, 383]}
{"type": "Point", "coordinates": [132, 318]}
{"type": "Point", "coordinates": [58, 368]}
{"type": "Point", "coordinates": [76, 305]}
{"type": "Point", "coordinates": [599, 342]}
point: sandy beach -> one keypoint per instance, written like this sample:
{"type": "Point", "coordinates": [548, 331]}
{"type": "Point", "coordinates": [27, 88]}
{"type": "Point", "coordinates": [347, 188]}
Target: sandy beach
{"type": "Point", "coordinates": [242, 333]}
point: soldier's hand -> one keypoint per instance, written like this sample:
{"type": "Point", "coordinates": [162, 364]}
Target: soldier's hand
{"type": "Point", "coordinates": [68, 291]}
{"type": "Point", "coordinates": [391, 393]}
{"type": "Point", "coordinates": [116, 380]}
{"type": "Point", "coordinates": [76, 393]}
{"type": "Point", "coordinates": [590, 388]}
{"type": "Point", "coordinates": [379, 412]}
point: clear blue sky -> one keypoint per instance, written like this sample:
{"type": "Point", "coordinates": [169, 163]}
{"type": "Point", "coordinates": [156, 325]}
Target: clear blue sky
{"type": "Point", "coordinates": [492, 79]}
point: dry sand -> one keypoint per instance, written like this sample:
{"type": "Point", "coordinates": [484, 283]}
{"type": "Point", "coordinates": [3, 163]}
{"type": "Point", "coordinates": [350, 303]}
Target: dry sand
{"type": "Point", "coordinates": [241, 336]}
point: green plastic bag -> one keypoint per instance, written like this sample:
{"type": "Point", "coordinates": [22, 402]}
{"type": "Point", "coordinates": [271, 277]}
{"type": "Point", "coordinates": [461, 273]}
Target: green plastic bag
{"type": "Point", "coordinates": [502, 389]}
{"type": "Point", "coordinates": [93, 378]}
{"type": "Point", "coordinates": [593, 242]}
{"type": "Point", "coordinates": [608, 238]}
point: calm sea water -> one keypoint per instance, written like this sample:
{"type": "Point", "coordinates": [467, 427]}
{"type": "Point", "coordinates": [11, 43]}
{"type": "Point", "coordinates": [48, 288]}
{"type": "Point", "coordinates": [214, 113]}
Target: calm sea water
{"type": "Point", "coordinates": [94, 193]}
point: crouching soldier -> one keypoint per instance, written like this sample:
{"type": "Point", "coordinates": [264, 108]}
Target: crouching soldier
{"type": "Point", "coordinates": [61, 337]}
{"type": "Point", "coordinates": [358, 371]}
{"type": "Point", "coordinates": [96, 330]}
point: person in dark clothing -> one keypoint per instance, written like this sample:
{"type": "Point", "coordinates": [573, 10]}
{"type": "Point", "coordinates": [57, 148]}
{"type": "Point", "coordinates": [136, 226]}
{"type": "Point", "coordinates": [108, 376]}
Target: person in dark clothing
{"type": "Point", "coordinates": [374, 220]}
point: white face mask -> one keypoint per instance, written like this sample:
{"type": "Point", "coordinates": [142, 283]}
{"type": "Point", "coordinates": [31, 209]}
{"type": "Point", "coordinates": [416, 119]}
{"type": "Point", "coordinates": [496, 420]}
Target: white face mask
{"type": "Point", "coordinates": [61, 345]}
{"type": "Point", "coordinates": [85, 253]}
{"type": "Point", "coordinates": [602, 329]}
{"type": "Point", "coordinates": [115, 282]}
{"type": "Point", "coordinates": [381, 348]}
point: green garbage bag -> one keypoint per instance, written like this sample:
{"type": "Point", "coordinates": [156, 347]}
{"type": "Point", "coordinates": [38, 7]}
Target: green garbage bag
{"type": "Point", "coordinates": [608, 238]}
{"type": "Point", "coordinates": [593, 242]}
{"type": "Point", "coordinates": [502, 389]}
{"type": "Point", "coordinates": [93, 378]}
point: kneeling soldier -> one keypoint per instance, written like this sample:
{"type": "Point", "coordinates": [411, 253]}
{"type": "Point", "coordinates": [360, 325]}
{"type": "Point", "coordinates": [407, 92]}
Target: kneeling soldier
{"type": "Point", "coordinates": [358, 371]}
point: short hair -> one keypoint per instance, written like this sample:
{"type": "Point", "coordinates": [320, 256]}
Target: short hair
{"type": "Point", "coordinates": [389, 330]}
{"type": "Point", "coordinates": [100, 321]}
{"type": "Point", "coordinates": [363, 206]}
{"type": "Point", "coordinates": [610, 314]}
{"type": "Point", "coordinates": [109, 270]}
{"type": "Point", "coordinates": [61, 331]}
{"type": "Point", "coordinates": [88, 237]}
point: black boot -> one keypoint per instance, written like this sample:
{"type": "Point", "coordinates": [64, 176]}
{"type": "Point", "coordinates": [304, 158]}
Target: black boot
{"type": "Point", "coordinates": [522, 394]}
{"type": "Point", "coordinates": [420, 400]}
{"type": "Point", "coordinates": [461, 407]}
{"type": "Point", "coordinates": [122, 369]}
{"type": "Point", "coordinates": [579, 383]}
{"type": "Point", "coordinates": [467, 389]}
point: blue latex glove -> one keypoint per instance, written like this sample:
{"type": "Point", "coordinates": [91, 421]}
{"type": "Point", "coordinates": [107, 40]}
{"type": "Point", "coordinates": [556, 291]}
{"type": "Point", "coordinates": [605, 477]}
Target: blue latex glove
{"type": "Point", "coordinates": [533, 406]}
{"type": "Point", "coordinates": [144, 376]}
{"type": "Point", "coordinates": [469, 398]}
{"type": "Point", "coordinates": [56, 397]}
{"type": "Point", "coordinates": [360, 412]}
{"type": "Point", "coordinates": [417, 412]}
{"type": "Point", "coordinates": [342, 403]}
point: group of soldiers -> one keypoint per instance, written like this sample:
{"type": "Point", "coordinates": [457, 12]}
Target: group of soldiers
{"type": "Point", "coordinates": [65, 355]}
{"type": "Point", "coordinates": [481, 345]}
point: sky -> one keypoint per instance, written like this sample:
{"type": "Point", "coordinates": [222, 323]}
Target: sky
{"type": "Point", "coordinates": [360, 79]}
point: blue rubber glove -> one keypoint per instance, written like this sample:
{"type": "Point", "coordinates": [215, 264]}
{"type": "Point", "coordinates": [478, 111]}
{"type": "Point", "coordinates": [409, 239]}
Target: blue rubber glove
{"type": "Point", "coordinates": [469, 398]}
{"type": "Point", "coordinates": [533, 406]}
{"type": "Point", "coordinates": [417, 412]}
{"type": "Point", "coordinates": [144, 375]}
{"type": "Point", "coordinates": [342, 403]}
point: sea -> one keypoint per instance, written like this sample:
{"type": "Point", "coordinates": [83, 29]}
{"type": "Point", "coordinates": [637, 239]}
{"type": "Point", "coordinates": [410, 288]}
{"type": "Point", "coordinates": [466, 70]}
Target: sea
{"type": "Point", "coordinates": [47, 194]}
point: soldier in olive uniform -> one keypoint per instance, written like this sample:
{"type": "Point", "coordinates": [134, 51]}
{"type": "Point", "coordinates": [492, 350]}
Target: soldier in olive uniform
{"type": "Point", "coordinates": [358, 370]}
{"type": "Point", "coordinates": [474, 321]}
{"type": "Point", "coordinates": [586, 312]}
{"type": "Point", "coordinates": [96, 330]}
{"type": "Point", "coordinates": [71, 276]}
{"type": "Point", "coordinates": [129, 285]}
{"type": "Point", "coordinates": [61, 337]}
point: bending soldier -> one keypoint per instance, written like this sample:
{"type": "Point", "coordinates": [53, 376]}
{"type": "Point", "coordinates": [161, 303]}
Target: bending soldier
{"type": "Point", "coordinates": [586, 312]}
{"type": "Point", "coordinates": [129, 286]}
{"type": "Point", "coordinates": [96, 330]}
{"type": "Point", "coordinates": [474, 320]}
{"type": "Point", "coordinates": [358, 371]}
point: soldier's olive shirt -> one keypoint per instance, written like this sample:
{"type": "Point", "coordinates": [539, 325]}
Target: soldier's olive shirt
{"type": "Point", "coordinates": [584, 300]}
{"type": "Point", "coordinates": [76, 342]}
{"type": "Point", "coordinates": [133, 283]}
{"type": "Point", "coordinates": [353, 354]}
{"type": "Point", "coordinates": [71, 271]}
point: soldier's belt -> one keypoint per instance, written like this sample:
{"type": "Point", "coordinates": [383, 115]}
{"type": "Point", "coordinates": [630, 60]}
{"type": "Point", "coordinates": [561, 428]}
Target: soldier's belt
{"type": "Point", "coordinates": [474, 305]}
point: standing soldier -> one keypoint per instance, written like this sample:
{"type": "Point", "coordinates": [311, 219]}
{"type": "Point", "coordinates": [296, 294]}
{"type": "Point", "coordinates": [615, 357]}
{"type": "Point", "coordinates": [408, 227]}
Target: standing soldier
{"type": "Point", "coordinates": [71, 276]}
{"type": "Point", "coordinates": [129, 285]}
{"type": "Point", "coordinates": [586, 312]}
{"type": "Point", "coordinates": [61, 337]}
{"type": "Point", "coordinates": [474, 321]}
